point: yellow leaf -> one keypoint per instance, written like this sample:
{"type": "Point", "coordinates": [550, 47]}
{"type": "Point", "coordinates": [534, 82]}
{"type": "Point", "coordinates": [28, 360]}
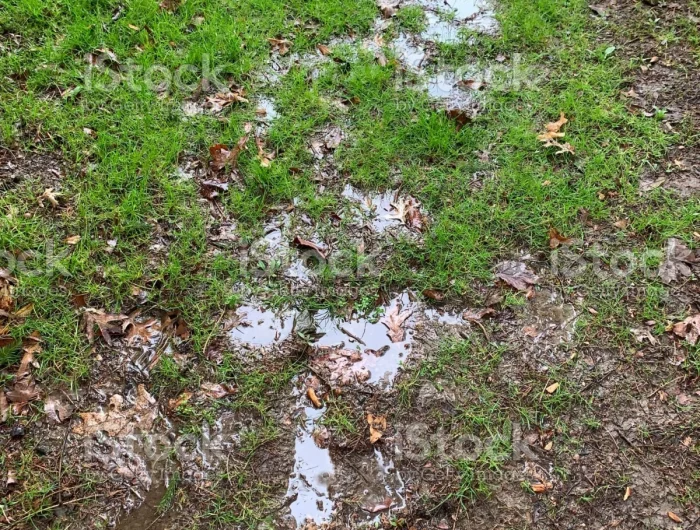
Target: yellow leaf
{"type": "Point", "coordinates": [674, 517]}
{"type": "Point", "coordinates": [551, 389]}
{"type": "Point", "coordinates": [628, 492]}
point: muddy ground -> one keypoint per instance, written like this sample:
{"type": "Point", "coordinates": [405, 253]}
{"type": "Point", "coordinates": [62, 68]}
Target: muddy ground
{"type": "Point", "coordinates": [424, 412]}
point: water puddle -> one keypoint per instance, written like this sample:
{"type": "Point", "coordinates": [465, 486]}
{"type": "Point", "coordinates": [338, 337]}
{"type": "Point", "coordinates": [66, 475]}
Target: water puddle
{"type": "Point", "coordinates": [313, 468]}
{"type": "Point", "coordinates": [262, 327]}
{"type": "Point", "coordinates": [375, 206]}
{"type": "Point", "coordinates": [549, 319]}
{"type": "Point", "coordinates": [361, 349]}
{"type": "Point", "coordinates": [148, 516]}
{"type": "Point", "coordinates": [440, 30]}
{"type": "Point", "coordinates": [444, 317]}
{"type": "Point", "coordinates": [408, 53]}
{"type": "Point", "coordinates": [320, 479]}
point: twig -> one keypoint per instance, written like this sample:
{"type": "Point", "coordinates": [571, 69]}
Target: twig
{"type": "Point", "coordinates": [352, 336]}
{"type": "Point", "coordinates": [60, 464]}
{"type": "Point", "coordinates": [211, 334]}
{"type": "Point", "coordinates": [664, 386]}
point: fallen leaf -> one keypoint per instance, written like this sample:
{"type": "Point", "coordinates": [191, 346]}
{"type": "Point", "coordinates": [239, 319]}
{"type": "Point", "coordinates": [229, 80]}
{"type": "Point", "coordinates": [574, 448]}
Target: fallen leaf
{"type": "Point", "coordinates": [621, 224]}
{"type": "Point", "coordinates": [217, 391]}
{"type": "Point", "coordinates": [4, 407]}
{"type": "Point", "coordinates": [394, 320]}
{"type": "Point", "coordinates": [434, 295]}
{"type": "Point", "coordinates": [24, 312]}
{"type": "Point", "coordinates": [386, 504]}
{"type": "Point", "coordinates": [51, 196]}
{"type": "Point", "coordinates": [280, 45]}
{"type": "Point", "coordinates": [265, 158]}
{"type": "Point", "coordinates": [106, 322]}
{"type": "Point", "coordinates": [11, 478]}
{"type": "Point", "coordinates": [553, 133]}
{"type": "Point", "coordinates": [551, 389]}
{"type": "Point", "coordinates": [475, 316]}
{"type": "Point", "coordinates": [628, 492]}
{"type": "Point", "coordinates": [549, 446]}
{"type": "Point", "coordinates": [72, 240]}
{"type": "Point", "coordinates": [117, 421]}
{"type": "Point", "coordinates": [333, 137]}
{"type": "Point", "coordinates": [323, 49]}
{"type": "Point", "coordinates": [56, 411]}
{"type": "Point", "coordinates": [311, 393]}
{"type": "Point", "coordinates": [677, 264]}
{"type": "Point", "coordinates": [556, 239]}
{"type": "Point", "coordinates": [143, 332]}
{"type": "Point", "coordinates": [674, 517]}
{"type": "Point", "coordinates": [183, 398]}
{"type": "Point", "coordinates": [25, 388]}
{"type": "Point", "coordinates": [377, 426]}
{"type": "Point", "coordinates": [689, 329]}
{"type": "Point", "coordinates": [170, 5]}
{"type": "Point", "coordinates": [341, 366]}
{"type": "Point", "coordinates": [516, 274]}
{"type": "Point", "coordinates": [408, 212]}
{"type": "Point", "coordinates": [221, 156]}
{"type": "Point", "coordinates": [304, 243]}
{"type": "Point", "coordinates": [388, 8]}
{"type": "Point", "coordinates": [220, 101]}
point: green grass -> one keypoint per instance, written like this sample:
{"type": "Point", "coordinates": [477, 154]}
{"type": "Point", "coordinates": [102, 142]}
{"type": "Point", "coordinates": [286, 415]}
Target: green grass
{"type": "Point", "coordinates": [120, 184]}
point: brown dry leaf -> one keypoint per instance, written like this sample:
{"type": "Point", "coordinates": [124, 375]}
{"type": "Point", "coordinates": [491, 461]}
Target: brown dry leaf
{"type": "Point", "coordinates": [51, 196]}
{"type": "Point", "coordinates": [311, 393]}
{"type": "Point", "coordinates": [323, 49]}
{"type": "Point", "coordinates": [304, 243]}
{"type": "Point", "coordinates": [542, 488]}
{"type": "Point", "coordinates": [170, 5]}
{"type": "Point", "coordinates": [434, 294]}
{"type": "Point", "coordinates": [689, 329]}
{"type": "Point", "coordinates": [72, 240]}
{"type": "Point", "coordinates": [552, 133]}
{"type": "Point", "coordinates": [516, 274]}
{"type": "Point", "coordinates": [265, 158]}
{"type": "Point", "coordinates": [475, 316]}
{"type": "Point", "coordinates": [56, 411]}
{"type": "Point", "coordinates": [144, 332]}
{"type": "Point", "coordinates": [4, 407]}
{"type": "Point", "coordinates": [553, 129]}
{"type": "Point", "coordinates": [674, 517]}
{"type": "Point", "coordinates": [386, 504]}
{"type": "Point", "coordinates": [117, 421]}
{"type": "Point", "coordinates": [183, 398]}
{"type": "Point", "coordinates": [556, 239]}
{"type": "Point", "coordinates": [220, 101]}
{"type": "Point", "coordinates": [221, 156]}
{"type": "Point", "coordinates": [333, 137]}
{"type": "Point", "coordinates": [408, 212]}
{"type": "Point", "coordinates": [106, 322]}
{"type": "Point", "coordinates": [377, 426]}
{"type": "Point", "coordinates": [24, 312]}
{"type": "Point", "coordinates": [280, 45]}
{"type": "Point", "coordinates": [678, 262]}
{"type": "Point", "coordinates": [25, 388]}
{"type": "Point", "coordinates": [216, 390]}
{"type": "Point", "coordinates": [11, 478]}
{"type": "Point", "coordinates": [388, 7]}
{"type": "Point", "coordinates": [628, 492]}
{"type": "Point", "coordinates": [551, 389]}
{"type": "Point", "coordinates": [342, 367]}
{"type": "Point", "coordinates": [621, 224]}
{"type": "Point", "coordinates": [394, 320]}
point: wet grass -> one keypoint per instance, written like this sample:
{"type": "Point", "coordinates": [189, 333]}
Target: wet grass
{"type": "Point", "coordinates": [123, 147]}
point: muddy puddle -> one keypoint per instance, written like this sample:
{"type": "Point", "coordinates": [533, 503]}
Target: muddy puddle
{"type": "Point", "coordinates": [148, 516]}
{"type": "Point", "coordinates": [549, 320]}
{"type": "Point", "coordinates": [258, 326]}
{"type": "Point", "coordinates": [322, 482]}
{"type": "Point", "coordinates": [377, 208]}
